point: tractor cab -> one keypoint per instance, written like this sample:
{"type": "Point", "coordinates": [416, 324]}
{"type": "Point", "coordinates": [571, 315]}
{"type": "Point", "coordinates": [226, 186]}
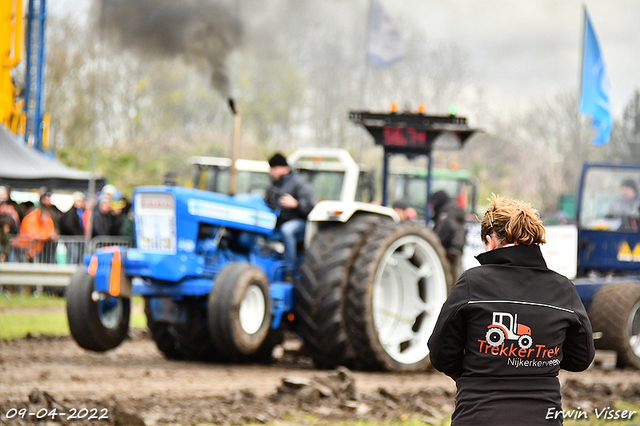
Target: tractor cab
{"type": "Point", "coordinates": [213, 174]}
{"type": "Point", "coordinates": [333, 174]}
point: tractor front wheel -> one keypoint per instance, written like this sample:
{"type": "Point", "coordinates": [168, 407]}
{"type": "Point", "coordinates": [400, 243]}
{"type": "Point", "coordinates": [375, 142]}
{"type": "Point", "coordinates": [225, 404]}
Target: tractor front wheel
{"type": "Point", "coordinates": [239, 312]}
{"type": "Point", "coordinates": [615, 312]}
{"type": "Point", "coordinates": [96, 323]}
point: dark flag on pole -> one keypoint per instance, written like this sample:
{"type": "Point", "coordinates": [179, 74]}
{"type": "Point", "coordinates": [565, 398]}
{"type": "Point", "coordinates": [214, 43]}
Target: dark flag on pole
{"type": "Point", "coordinates": [595, 88]}
{"type": "Point", "coordinates": [384, 39]}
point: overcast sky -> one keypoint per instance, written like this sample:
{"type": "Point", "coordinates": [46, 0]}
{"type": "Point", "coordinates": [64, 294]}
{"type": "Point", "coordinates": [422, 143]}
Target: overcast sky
{"type": "Point", "coordinates": [518, 48]}
{"type": "Point", "coordinates": [521, 49]}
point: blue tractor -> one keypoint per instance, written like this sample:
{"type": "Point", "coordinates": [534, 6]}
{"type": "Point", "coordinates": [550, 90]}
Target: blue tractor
{"type": "Point", "coordinates": [185, 239]}
{"type": "Point", "coordinates": [210, 268]}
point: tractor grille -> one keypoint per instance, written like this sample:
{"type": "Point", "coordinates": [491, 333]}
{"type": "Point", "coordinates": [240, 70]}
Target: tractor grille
{"type": "Point", "coordinates": [155, 222]}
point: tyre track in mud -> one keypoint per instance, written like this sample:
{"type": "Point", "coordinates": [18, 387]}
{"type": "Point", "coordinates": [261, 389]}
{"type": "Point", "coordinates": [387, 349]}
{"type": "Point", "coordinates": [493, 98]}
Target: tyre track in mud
{"type": "Point", "coordinates": [135, 379]}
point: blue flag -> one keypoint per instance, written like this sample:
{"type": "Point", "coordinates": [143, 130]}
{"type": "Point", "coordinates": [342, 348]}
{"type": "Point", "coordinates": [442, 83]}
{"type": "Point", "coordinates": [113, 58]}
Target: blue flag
{"type": "Point", "coordinates": [384, 38]}
{"type": "Point", "coordinates": [594, 94]}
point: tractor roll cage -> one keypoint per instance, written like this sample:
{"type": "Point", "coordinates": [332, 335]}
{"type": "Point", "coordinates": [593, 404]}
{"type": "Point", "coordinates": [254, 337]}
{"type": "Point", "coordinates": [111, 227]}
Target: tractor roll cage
{"type": "Point", "coordinates": [413, 135]}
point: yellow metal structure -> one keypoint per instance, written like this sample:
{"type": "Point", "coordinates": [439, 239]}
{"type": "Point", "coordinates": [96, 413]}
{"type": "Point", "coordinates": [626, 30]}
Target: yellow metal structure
{"type": "Point", "coordinates": [11, 47]}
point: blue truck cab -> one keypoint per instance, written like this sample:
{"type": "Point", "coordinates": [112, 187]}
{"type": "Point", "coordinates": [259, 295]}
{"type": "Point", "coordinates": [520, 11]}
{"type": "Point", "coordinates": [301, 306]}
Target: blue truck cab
{"type": "Point", "coordinates": [608, 256]}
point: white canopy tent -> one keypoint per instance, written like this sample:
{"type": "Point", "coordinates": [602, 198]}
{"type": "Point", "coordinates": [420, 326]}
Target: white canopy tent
{"type": "Point", "coordinates": [24, 168]}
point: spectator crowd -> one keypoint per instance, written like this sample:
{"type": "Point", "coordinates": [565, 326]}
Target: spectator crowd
{"type": "Point", "coordinates": [30, 231]}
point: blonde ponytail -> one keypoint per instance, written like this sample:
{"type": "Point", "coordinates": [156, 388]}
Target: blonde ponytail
{"type": "Point", "coordinates": [512, 222]}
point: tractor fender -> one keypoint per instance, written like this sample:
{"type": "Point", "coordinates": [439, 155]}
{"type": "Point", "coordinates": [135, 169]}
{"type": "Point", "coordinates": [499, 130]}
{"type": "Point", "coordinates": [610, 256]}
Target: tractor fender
{"type": "Point", "coordinates": [106, 269]}
{"type": "Point", "coordinates": [341, 212]}
{"type": "Point", "coordinates": [523, 329]}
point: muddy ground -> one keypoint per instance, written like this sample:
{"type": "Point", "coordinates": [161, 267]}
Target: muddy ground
{"type": "Point", "coordinates": [135, 385]}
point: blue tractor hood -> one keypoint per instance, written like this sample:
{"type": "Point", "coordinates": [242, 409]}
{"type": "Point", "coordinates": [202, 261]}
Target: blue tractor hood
{"type": "Point", "coordinates": [247, 212]}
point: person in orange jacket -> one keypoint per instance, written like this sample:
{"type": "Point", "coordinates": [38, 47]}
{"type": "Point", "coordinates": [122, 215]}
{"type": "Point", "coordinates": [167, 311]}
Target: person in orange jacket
{"type": "Point", "coordinates": [36, 228]}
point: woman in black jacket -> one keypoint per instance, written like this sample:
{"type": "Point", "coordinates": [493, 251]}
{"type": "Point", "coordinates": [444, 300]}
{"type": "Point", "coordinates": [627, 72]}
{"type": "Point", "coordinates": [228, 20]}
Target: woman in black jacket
{"type": "Point", "coordinates": [509, 326]}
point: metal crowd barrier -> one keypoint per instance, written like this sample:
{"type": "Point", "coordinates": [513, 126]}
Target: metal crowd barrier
{"type": "Point", "coordinates": [36, 262]}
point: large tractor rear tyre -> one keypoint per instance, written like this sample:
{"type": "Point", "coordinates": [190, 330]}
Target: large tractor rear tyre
{"type": "Point", "coordinates": [396, 290]}
{"type": "Point", "coordinates": [319, 307]}
{"type": "Point", "coordinates": [189, 341]}
{"type": "Point", "coordinates": [161, 334]}
{"type": "Point", "coordinates": [615, 312]}
{"type": "Point", "coordinates": [96, 324]}
{"type": "Point", "coordinates": [239, 313]}
{"type": "Point", "coordinates": [194, 341]}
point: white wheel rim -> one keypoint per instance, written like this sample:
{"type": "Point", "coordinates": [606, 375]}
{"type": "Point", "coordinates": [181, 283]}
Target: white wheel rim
{"type": "Point", "coordinates": [409, 290]}
{"type": "Point", "coordinates": [252, 309]}
{"type": "Point", "coordinates": [634, 329]}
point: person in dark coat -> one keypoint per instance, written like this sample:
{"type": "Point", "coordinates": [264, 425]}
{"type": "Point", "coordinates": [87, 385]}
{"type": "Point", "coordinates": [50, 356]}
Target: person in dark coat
{"type": "Point", "coordinates": [8, 211]}
{"type": "Point", "coordinates": [45, 204]}
{"type": "Point", "coordinates": [5, 197]}
{"type": "Point", "coordinates": [5, 241]}
{"type": "Point", "coordinates": [626, 208]}
{"type": "Point", "coordinates": [119, 210]}
{"type": "Point", "coordinates": [72, 223]}
{"type": "Point", "coordinates": [294, 198]}
{"type": "Point", "coordinates": [449, 226]}
{"type": "Point", "coordinates": [102, 219]}
{"type": "Point", "coordinates": [509, 326]}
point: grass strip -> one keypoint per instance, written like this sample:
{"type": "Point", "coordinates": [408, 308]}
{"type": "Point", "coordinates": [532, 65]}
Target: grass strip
{"type": "Point", "coordinates": [24, 314]}
{"type": "Point", "coordinates": [28, 301]}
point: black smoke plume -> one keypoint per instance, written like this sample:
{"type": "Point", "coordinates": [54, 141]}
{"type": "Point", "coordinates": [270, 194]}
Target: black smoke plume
{"type": "Point", "coordinates": [203, 32]}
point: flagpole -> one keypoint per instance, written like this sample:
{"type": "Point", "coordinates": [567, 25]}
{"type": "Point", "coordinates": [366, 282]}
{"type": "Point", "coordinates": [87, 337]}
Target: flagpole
{"type": "Point", "coordinates": [580, 79]}
{"type": "Point", "coordinates": [363, 82]}
{"type": "Point", "coordinates": [584, 26]}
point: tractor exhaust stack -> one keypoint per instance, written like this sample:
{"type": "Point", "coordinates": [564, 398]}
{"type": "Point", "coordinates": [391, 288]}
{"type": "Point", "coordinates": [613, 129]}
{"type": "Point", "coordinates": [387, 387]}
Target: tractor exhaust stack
{"type": "Point", "coordinates": [235, 146]}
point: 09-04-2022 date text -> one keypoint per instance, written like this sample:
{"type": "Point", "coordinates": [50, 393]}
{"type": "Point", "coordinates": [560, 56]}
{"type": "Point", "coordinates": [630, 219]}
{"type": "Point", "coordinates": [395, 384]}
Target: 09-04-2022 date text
{"type": "Point", "coordinates": [53, 413]}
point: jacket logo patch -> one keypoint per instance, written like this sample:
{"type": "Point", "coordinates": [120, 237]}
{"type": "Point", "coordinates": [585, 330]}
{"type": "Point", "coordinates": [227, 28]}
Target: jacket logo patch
{"type": "Point", "coordinates": [505, 326]}
{"type": "Point", "coordinates": [505, 337]}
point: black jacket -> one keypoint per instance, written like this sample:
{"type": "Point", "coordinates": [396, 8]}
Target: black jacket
{"type": "Point", "coordinates": [70, 223]}
{"type": "Point", "coordinates": [102, 223]}
{"type": "Point", "coordinates": [508, 372]}
{"type": "Point", "coordinates": [298, 187]}
{"type": "Point", "coordinates": [449, 226]}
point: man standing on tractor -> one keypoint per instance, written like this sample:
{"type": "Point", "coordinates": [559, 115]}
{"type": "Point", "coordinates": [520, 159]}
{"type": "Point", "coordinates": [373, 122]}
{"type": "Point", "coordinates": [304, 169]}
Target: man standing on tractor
{"type": "Point", "coordinates": [449, 226]}
{"type": "Point", "coordinates": [293, 198]}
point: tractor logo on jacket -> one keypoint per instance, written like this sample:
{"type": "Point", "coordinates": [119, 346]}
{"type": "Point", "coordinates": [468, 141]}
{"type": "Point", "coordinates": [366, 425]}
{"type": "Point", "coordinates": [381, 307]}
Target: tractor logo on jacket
{"type": "Point", "coordinates": [505, 326]}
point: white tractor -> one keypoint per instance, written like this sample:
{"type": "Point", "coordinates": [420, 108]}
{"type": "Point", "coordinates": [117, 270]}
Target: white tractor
{"type": "Point", "coordinates": [370, 288]}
